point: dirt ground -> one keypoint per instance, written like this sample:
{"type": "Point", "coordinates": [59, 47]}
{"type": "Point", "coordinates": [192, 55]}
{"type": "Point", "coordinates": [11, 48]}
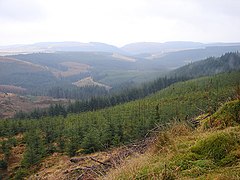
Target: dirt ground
{"type": "Point", "coordinates": [11, 103]}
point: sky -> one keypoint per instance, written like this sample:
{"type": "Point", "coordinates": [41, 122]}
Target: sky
{"type": "Point", "coordinates": [119, 22]}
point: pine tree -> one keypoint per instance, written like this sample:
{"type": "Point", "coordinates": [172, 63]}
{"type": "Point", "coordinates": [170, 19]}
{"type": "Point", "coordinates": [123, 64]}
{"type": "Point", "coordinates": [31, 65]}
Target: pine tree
{"type": "Point", "coordinates": [35, 149]}
{"type": "Point", "coordinates": [91, 142]}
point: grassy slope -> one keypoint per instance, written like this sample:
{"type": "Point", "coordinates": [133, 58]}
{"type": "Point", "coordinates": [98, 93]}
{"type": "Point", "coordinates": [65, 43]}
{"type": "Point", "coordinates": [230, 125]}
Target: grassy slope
{"type": "Point", "coordinates": [180, 153]}
{"type": "Point", "coordinates": [133, 119]}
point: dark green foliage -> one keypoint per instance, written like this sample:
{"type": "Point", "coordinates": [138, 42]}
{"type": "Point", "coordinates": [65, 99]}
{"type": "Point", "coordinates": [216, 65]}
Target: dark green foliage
{"type": "Point", "coordinates": [3, 164]}
{"type": "Point", "coordinates": [91, 142]}
{"type": "Point", "coordinates": [210, 66]}
{"type": "Point", "coordinates": [95, 103]}
{"type": "Point", "coordinates": [74, 141]}
{"type": "Point", "coordinates": [35, 149]}
{"type": "Point", "coordinates": [6, 146]}
{"type": "Point", "coordinates": [73, 92]}
{"type": "Point", "coordinates": [6, 149]}
{"type": "Point", "coordinates": [56, 110]}
{"type": "Point", "coordinates": [179, 58]}
{"type": "Point", "coordinates": [72, 148]}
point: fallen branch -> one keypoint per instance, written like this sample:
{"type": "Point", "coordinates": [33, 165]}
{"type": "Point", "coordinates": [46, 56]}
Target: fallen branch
{"type": "Point", "coordinates": [76, 160]}
{"type": "Point", "coordinates": [95, 160]}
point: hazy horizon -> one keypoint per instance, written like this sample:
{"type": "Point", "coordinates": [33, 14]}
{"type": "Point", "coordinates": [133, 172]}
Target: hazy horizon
{"type": "Point", "coordinates": [118, 22]}
{"type": "Point", "coordinates": [118, 46]}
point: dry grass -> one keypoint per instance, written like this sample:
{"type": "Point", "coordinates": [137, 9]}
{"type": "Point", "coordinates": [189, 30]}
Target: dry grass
{"type": "Point", "coordinates": [129, 168]}
{"type": "Point", "coordinates": [11, 88]}
{"type": "Point", "coordinates": [14, 160]}
{"type": "Point", "coordinates": [11, 103]}
{"type": "Point", "coordinates": [171, 156]}
{"type": "Point", "coordinates": [152, 165]}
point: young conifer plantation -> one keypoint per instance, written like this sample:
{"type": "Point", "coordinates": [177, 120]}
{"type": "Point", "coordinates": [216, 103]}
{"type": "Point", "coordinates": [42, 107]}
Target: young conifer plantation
{"type": "Point", "coordinates": [119, 90]}
{"type": "Point", "coordinates": [92, 131]}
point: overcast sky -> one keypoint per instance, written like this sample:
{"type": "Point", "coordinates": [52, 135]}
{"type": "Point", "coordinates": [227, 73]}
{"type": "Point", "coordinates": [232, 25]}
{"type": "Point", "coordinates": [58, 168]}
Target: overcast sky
{"type": "Point", "coordinates": [119, 22]}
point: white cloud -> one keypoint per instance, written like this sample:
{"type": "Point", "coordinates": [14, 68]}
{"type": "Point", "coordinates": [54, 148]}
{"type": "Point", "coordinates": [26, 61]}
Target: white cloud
{"type": "Point", "coordinates": [119, 21]}
{"type": "Point", "coordinates": [20, 10]}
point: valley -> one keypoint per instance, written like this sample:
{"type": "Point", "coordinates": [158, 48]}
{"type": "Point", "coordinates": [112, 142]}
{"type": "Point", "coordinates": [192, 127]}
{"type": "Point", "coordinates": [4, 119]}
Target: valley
{"type": "Point", "coordinates": [114, 126]}
{"type": "Point", "coordinates": [68, 115]}
{"type": "Point", "coordinates": [119, 90]}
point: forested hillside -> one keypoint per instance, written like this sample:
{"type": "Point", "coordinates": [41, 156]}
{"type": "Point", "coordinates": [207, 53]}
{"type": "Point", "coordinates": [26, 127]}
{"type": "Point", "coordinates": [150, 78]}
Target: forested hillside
{"type": "Point", "coordinates": [210, 66]}
{"type": "Point", "coordinates": [98, 130]}
{"type": "Point", "coordinates": [180, 58]}
{"type": "Point", "coordinates": [57, 73]}
{"type": "Point", "coordinates": [104, 67]}
{"type": "Point", "coordinates": [102, 99]}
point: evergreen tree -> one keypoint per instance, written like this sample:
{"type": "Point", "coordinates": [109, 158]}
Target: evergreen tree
{"type": "Point", "coordinates": [35, 149]}
{"type": "Point", "coordinates": [91, 142]}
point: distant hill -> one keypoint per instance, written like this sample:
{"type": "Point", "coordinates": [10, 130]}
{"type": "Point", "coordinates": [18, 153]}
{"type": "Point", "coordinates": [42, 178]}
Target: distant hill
{"type": "Point", "coordinates": [139, 48]}
{"type": "Point", "coordinates": [15, 65]}
{"type": "Point", "coordinates": [176, 59]}
{"type": "Point", "coordinates": [38, 73]}
{"type": "Point", "coordinates": [24, 74]}
{"type": "Point", "coordinates": [154, 47]}
{"type": "Point", "coordinates": [59, 46]}
{"type": "Point", "coordinates": [77, 46]}
{"type": "Point", "coordinates": [210, 66]}
{"type": "Point", "coordinates": [157, 49]}
{"type": "Point", "coordinates": [107, 68]}
{"type": "Point", "coordinates": [146, 55]}
{"type": "Point", "coordinates": [172, 55]}
{"type": "Point", "coordinates": [75, 61]}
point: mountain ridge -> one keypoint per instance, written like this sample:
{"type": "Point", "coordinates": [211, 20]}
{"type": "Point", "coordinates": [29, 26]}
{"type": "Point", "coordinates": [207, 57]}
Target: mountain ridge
{"type": "Point", "coordinates": [128, 49]}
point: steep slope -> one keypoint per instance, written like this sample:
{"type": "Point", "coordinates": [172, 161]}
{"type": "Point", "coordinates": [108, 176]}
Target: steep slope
{"type": "Point", "coordinates": [93, 131]}
{"type": "Point", "coordinates": [24, 74]}
{"type": "Point", "coordinates": [182, 153]}
{"type": "Point", "coordinates": [210, 66]}
{"type": "Point", "coordinates": [10, 65]}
